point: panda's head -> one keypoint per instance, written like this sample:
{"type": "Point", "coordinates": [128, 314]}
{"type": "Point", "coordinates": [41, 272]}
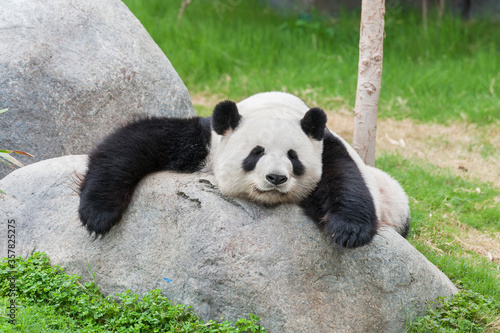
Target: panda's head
{"type": "Point", "coordinates": [268, 159]}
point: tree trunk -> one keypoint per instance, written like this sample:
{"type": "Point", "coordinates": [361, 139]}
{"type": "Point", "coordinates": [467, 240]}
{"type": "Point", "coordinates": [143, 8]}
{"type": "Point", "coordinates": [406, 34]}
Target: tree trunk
{"type": "Point", "coordinates": [184, 5]}
{"type": "Point", "coordinates": [424, 13]}
{"type": "Point", "coordinates": [369, 78]}
{"type": "Point", "coordinates": [441, 8]}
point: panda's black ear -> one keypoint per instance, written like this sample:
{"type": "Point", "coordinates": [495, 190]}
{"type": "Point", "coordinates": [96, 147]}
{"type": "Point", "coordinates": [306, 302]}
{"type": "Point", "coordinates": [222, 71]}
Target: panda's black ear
{"type": "Point", "coordinates": [314, 123]}
{"type": "Point", "coordinates": [225, 117]}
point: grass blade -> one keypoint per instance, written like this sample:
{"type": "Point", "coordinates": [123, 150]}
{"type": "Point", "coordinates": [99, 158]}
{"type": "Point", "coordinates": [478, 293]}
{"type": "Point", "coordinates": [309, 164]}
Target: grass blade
{"type": "Point", "coordinates": [6, 158]}
{"type": "Point", "coordinates": [6, 151]}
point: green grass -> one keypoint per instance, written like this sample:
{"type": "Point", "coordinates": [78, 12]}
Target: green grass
{"type": "Point", "coordinates": [466, 312]}
{"type": "Point", "coordinates": [442, 207]}
{"type": "Point", "coordinates": [451, 72]}
{"type": "Point", "coordinates": [435, 192]}
{"type": "Point", "coordinates": [48, 300]}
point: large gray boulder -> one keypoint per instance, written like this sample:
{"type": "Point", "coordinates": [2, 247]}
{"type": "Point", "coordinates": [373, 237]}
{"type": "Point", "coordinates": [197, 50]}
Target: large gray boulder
{"type": "Point", "coordinates": [225, 257]}
{"type": "Point", "coordinates": [72, 70]}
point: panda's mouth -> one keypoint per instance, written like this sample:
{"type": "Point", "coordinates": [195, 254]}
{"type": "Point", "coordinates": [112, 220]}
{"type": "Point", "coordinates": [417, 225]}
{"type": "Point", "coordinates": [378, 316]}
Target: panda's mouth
{"type": "Point", "coordinates": [274, 190]}
{"type": "Point", "coordinates": [272, 196]}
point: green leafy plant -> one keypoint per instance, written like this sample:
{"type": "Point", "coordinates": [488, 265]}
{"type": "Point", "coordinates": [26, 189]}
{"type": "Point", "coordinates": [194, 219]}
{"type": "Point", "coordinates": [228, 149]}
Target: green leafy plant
{"type": "Point", "coordinates": [68, 305]}
{"type": "Point", "coordinates": [465, 312]}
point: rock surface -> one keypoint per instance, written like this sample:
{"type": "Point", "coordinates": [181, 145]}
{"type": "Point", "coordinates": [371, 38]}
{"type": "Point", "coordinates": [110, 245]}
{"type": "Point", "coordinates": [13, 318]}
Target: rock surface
{"type": "Point", "coordinates": [225, 257]}
{"type": "Point", "coordinates": [70, 71]}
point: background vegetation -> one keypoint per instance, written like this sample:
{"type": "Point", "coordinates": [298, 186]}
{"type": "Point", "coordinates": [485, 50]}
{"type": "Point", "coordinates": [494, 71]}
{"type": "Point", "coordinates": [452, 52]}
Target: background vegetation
{"type": "Point", "coordinates": [450, 71]}
{"type": "Point", "coordinates": [445, 74]}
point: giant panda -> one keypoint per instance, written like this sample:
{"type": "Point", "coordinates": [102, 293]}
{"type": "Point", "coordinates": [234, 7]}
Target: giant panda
{"type": "Point", "coordinates": [270, 148]}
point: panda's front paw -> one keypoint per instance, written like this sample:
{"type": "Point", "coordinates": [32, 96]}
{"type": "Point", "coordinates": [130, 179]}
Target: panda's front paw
{"type": "Point", "coordinates": [348, 233]}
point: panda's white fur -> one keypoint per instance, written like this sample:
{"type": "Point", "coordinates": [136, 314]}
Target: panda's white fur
{"type": "Point", "coordinates": [270, 120]}
{"type": "Point", "coordinates": [393, 201]}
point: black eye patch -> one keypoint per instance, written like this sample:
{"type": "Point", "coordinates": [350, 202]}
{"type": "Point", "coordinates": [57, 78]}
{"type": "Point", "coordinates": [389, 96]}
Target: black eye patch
{"type": "Point", "coordinates": [251, 160]}
{"type": "Point", "coordinates": [298, 167]}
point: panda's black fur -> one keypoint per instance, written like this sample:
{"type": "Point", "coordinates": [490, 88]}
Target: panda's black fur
{"type": "Point", "coordinates": [118, 163]}
{"type": "Point", "coordinates": [341, 203]}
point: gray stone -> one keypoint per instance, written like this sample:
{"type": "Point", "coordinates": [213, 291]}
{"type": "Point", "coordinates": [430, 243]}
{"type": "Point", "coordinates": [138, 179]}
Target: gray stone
{"type": "Point", "coordinates": [71, 70]}
{"type": "Point", "coordinates": [225, 257]}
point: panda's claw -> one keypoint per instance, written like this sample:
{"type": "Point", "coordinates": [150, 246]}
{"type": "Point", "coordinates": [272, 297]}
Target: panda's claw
{"type": "Point", "coordinates": [347, 233]}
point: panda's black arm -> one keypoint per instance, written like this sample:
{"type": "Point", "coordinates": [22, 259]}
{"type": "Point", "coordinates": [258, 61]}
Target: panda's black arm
{"type": "Point", "coordinates": [341, 204]}
{"type": "Point", "coordinates": [121, 160]}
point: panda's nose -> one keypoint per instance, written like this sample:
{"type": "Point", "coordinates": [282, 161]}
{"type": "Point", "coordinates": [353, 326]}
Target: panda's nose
{"type": "Point", "coordinates": [276, 179]}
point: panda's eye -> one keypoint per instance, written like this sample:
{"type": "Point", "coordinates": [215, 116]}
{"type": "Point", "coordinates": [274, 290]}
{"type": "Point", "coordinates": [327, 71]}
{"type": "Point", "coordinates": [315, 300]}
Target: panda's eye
{"type": "Point", "coordinates": [257, 151]}
{"type": "Point", "coordinates": [298, 167]}
{"type": "Point", "coordinates": [251, 160]}
{"type": "Point", "coordinates": [292, 154]}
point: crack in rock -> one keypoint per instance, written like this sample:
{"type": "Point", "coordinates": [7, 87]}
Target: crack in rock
{"type": "Point", "coordinates": [185, 196]}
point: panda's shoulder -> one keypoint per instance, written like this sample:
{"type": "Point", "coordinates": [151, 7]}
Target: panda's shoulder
{"type": "Point", "coordinates": [340, 155]}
